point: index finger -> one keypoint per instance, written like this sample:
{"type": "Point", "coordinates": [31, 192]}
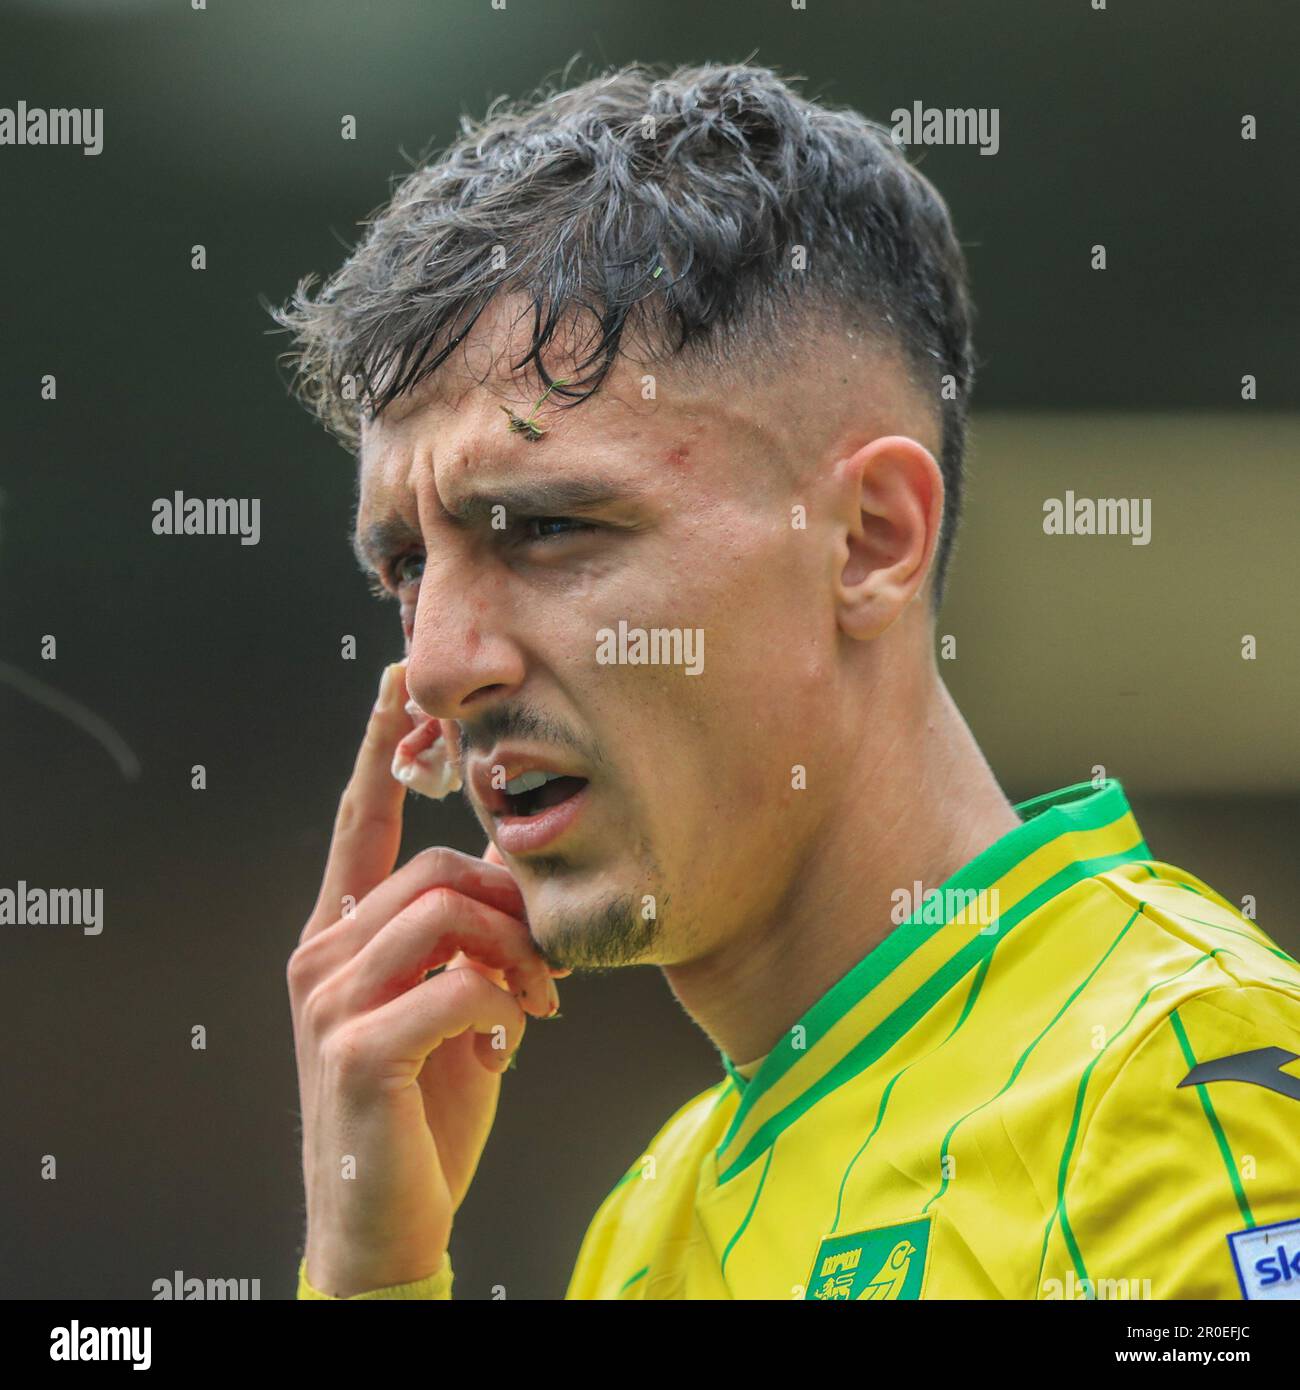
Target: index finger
{"type": "Point", "coordinates": [368, 827]}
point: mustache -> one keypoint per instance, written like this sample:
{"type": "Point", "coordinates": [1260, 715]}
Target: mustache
{"type": "Point", "coordinates": [519, 722]}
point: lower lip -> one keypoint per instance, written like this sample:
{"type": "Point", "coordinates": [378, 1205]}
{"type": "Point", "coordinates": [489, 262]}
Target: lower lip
{"type": "Point", "coordinates": [524, 834]}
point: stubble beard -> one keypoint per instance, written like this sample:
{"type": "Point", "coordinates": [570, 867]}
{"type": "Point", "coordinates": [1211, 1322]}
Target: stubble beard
{"type": "Point", "coordinates": [623, 929]}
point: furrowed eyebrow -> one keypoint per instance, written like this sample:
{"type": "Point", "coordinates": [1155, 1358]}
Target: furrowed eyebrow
{"type": "Point", "coordinates": [382, 539]}
{"type": "Point", "coordinates": [545, 497]}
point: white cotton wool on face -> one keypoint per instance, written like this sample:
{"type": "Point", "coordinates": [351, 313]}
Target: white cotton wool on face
{"type": "Point", "coordinates": [423, 761]}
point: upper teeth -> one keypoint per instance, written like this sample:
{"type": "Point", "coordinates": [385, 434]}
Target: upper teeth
{"type": "Point", "coordinates": [530, 781]}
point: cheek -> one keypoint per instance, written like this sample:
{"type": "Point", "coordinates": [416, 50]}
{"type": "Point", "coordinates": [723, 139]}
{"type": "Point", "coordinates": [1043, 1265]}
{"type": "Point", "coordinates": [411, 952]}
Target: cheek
{"type": "Point", "coordinates": [770, 692]}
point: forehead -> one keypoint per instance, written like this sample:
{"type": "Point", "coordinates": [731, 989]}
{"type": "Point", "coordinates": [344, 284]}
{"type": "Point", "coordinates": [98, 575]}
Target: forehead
{"type": "Point", "coordinates": [651, 426]}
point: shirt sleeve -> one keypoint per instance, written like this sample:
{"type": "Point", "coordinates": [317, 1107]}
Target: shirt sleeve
{"type": "Point", "coordinates": [437, 1285]}
{"type": "Point", "coordinates": [1196, 1140]}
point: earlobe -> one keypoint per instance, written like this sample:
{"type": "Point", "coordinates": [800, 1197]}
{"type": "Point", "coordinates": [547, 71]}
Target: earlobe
{"type": "Point", "coordinates": [859, 610]}
{"type": "Point", "coordinates": [865, 612]}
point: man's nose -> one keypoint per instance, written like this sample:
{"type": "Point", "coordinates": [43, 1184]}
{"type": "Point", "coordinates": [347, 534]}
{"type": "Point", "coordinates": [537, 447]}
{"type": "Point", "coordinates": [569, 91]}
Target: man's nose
{"type": "Point", "coordinates": [461, 659]}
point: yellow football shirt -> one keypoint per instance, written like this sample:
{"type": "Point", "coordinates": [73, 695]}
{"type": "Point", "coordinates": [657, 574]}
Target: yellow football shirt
{"type": "Point", "coordinates": [1068, 1074]}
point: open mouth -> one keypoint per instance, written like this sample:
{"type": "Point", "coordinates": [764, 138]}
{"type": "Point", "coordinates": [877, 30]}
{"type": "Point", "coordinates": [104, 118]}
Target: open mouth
{"type": "Point", "coordinates": [533, 792]}
{"type": "Point", "coordinates": [535, 807]}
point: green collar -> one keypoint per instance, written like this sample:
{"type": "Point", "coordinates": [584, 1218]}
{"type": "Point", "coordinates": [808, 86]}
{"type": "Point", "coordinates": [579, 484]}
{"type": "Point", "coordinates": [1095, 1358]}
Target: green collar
{"type": "Point", "coordinates": [1064, 836]}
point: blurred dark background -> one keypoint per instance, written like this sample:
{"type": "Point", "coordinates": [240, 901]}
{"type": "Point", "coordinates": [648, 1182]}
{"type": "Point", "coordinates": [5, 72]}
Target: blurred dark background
{"type": "Point", "coordinates": [221, 127]}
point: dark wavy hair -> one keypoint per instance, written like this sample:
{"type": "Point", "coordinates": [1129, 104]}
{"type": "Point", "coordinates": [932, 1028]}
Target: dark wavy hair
{"type": "Point", "coordinates": [671, 207]}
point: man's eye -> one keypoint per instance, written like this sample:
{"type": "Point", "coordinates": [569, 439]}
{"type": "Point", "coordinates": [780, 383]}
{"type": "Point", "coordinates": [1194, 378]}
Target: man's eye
{"type": "Point", "coordinates": [408, 569]}
{"type": "Point", "coordinates": [542, 528]}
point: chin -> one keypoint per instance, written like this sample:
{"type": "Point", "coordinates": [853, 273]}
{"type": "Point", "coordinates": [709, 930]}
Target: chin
{"type": "Point", "coordinates": [593, 930]}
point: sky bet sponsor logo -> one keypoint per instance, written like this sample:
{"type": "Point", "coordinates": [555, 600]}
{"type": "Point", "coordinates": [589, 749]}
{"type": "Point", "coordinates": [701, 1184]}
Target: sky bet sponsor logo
{"type": "Point", "coordinates": [1268, 1260]}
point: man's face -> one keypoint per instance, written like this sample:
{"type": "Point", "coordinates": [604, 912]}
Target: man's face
{"type": "Point", "coordinates": [525, 570]}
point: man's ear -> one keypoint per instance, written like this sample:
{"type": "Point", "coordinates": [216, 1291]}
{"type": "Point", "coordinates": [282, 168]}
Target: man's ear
{"type": "Point", "coordinates": [889, 499]}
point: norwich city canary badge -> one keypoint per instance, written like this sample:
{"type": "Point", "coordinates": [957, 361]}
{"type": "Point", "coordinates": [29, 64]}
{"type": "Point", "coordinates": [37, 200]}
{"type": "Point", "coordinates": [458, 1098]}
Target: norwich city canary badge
{"type": "Point", "coordinates": [888, 1262]}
